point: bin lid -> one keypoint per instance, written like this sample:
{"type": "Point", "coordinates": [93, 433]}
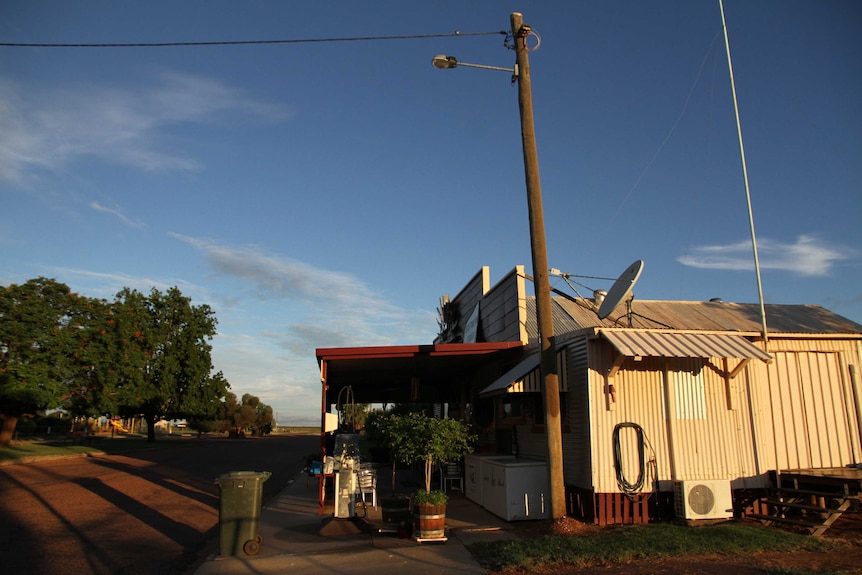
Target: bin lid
{"type": "Point", "coordinates": [235, 475]}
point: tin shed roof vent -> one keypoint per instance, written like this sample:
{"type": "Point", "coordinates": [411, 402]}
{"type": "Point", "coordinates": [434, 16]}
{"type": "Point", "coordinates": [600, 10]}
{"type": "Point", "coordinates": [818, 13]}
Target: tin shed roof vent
{"type": "Point", "coordinates": [599, 296]}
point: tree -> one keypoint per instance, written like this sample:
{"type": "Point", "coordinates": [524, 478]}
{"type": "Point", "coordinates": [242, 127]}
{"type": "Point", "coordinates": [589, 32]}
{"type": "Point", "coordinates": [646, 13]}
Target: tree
{"type": "Point", "coordinates": [249, 413]}
{"type": "Point", "coordinates": [354, 416]}
{"type": "Point", "coordinates": [37, 345]}
{"type": "Point", "coordinates": [92, 382]}
{"type": "Point", "coordinates": [165, 357]}
{"type": "Point", "coordinates": [380, 430]}
{"type": "Point", "coordinates": [140, 354]}
{"type": "Point", "coordinates": [202, 402]}
{"type": "Point", "coordinates": [236, 416]}
{"type": "Point", "coordinates": [202, 425]}
{"type": "Point", "coordinates": [262, 419]}
{"type": "Point", "coordinates": [416, 437]}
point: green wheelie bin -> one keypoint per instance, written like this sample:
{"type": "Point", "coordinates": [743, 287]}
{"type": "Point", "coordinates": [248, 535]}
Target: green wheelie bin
{"type": "Point", "coordinates": [240, 501]}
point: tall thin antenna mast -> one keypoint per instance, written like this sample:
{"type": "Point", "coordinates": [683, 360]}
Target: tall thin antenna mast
{"type": "Point", "coordinates": [745, 177]}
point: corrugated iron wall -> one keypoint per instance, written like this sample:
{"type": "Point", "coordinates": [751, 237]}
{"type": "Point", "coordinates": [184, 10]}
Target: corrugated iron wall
{"type": "Point", "coordinates": [639, 399]}
{"type": "Point", "coordinates": [577, 460]}
{"type": "Point", "coordinates": [707, 439]}
{"type": "Point", "coordinates": [703, 425]}
{"type": "Point", "coordinates": [503, 316]}
{"type": "Point", "coordinates": [809, 389]}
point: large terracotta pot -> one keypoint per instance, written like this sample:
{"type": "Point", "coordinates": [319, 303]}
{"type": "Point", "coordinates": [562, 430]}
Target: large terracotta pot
{"type": "Point", "coordinates": [430, 521]}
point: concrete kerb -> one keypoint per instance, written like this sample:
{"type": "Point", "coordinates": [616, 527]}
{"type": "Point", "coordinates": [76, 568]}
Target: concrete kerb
{"type": "Point", "coordinates": [294, 535]}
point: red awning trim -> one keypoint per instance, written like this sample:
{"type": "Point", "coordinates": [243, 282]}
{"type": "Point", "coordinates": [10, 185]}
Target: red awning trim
{"type": "Point", "coordinates": [401, 351]}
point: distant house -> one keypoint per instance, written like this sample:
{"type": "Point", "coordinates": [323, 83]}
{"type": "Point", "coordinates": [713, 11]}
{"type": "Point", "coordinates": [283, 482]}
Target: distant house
{"type": "Point", "coordinates": [681, 395]}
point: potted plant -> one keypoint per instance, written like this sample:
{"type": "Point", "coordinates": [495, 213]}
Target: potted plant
{"type": "Point", "coordinates": [395, 508]}
{"type": "Point", "coordinates": [415, 438]}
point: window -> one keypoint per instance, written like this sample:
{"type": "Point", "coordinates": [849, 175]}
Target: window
{"type": "Point", "coordinates": [690, 394]}
{"type": "Point", "coordinates": [512, 408]}
{"type": "Point", "coordinates": [537, 410]}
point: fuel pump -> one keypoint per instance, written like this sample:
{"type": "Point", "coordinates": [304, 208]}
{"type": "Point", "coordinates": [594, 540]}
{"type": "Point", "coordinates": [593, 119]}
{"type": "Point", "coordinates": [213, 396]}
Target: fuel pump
{"type": "Point", "coordinates": [346, 466]}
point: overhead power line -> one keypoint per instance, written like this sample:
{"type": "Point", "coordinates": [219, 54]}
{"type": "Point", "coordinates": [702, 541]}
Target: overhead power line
{"type": "Point", "coordinates": [241, 42]}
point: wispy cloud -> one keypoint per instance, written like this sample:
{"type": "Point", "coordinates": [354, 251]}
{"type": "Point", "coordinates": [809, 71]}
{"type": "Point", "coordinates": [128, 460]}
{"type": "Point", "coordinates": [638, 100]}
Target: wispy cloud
{"type": "Point", "coordinates": [277, 276]}
{"type": "Point", "coordinates": [336, 308]}
{"type": "Point", "coordinates": [46, 130]}
{"type": "Point", "coordinates": [117, 213]}
{"type": "Point", "coordinates": [283, 310]}
{"type": "Point", "coordinates": [808, 256]}
{"type": "Point", "coordinates": [106, 285]}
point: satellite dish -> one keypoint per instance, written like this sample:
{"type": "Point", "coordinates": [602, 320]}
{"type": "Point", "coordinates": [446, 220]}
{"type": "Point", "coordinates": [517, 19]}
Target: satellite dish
{"type": "Point", "coordinates": [621, 289]}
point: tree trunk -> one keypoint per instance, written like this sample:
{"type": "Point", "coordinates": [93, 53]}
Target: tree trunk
{"type": "Point", "coordinates": [7, 428]}
{"type": "Point", "coordinates": [428, 468]}
{"type": "Point", "coordinates": [151, 427]}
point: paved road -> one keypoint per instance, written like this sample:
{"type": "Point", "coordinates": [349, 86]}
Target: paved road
{"type": "Point", "coordinates": [147, 512]}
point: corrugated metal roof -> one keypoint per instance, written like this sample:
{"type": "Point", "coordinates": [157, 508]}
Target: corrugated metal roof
{"type": "Point", "coordinates": [637, 343]}
{"type": "Point", "coordinates": [695, 315]}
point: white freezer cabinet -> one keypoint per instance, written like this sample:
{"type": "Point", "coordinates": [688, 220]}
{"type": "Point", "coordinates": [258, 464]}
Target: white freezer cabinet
{"type": "Point", "coordinates": [512, 488]}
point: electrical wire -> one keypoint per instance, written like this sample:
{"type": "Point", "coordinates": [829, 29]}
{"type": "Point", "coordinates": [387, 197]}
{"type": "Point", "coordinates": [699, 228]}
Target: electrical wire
{"type": "Point", "coordinates": [660, 148]}
{"type": "Point", "coordinates": [239, 42]}
{"type": "Point", "coordinates": [655, 321]}
{"type": "Point", "coordinates": [590, 277]}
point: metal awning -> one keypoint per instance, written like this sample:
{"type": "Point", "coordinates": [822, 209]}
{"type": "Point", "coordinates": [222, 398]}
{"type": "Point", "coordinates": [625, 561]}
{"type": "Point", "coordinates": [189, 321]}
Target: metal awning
{"type": "Point", "coordinates": [640, 343]}
{"type": "Point", "coordinates": [636, 343]}
{"type": "Point", "coordinates": [406, 373]}
{"type": "Point", "coordinates": [526, 377]}
{"type": "Point", "coordinates": [512, 376]}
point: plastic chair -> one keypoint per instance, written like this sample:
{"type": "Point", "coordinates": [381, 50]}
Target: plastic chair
{"type": "Point", "coordinates": [368, 484]}
{"type": "Point", "coordinates": [451, 475]}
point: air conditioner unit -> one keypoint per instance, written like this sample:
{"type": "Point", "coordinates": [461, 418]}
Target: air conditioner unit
{"type": "Point", "coordinates": [708, 499]}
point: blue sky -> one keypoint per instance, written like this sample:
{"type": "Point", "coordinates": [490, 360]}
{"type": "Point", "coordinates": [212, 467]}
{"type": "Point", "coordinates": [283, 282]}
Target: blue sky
{"type": "Point", "coordinates": [327, 194]}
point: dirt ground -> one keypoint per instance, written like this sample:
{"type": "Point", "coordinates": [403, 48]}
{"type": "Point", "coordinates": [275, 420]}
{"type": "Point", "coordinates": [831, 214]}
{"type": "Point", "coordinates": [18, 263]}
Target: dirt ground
{"type": "Point", "coordinates": [847, 560]}
{"type": "Point", "coordinates": [153, 512]}
{"type": "Point", "coordinates": [148, 512]}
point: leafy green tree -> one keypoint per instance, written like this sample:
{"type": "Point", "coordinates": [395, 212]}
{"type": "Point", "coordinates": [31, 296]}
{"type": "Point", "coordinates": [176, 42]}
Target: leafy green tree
{"type": "Point", "coordinates": [354, 415]}
{"type": "Point", "coordinates": [38, 341]}
{"type": "Point", "coordinates": [262, 419]}
{"type": "Point", "coordinates": [248, 413]}
{"type": "Point", "coordinates": [380, 431]}
{"type": "Point", "coordinates": [202, 425]}
{"type": "Point", "coordinates": [136, 355]}
{"type": "Point", "coordinates": [165, 366]}
{"type": "Point", "coordinates": [202, 402]}
{"type": "Point", "coordinates": [91, 386]}
{"type": "Point", "coordinates": [416, 437]}
{"type": "Point", "coordinates": [237, 416]}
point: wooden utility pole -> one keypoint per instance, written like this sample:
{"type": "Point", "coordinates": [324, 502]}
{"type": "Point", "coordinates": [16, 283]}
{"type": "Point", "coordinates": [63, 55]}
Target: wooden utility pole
{"type": "Point", "coordinates": [550, 381]}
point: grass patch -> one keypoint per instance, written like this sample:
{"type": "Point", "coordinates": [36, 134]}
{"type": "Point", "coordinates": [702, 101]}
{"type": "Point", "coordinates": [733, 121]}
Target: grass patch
{"type": "Point", "coordinates": [630, 543]}
{"type": "Point", "coordinates": [298, 430]}
{"type": "Point", "coordinates": [25, 450]}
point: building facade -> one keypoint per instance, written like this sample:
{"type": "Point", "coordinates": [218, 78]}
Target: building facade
{"type": "Point", "coordinates": [664, 403]}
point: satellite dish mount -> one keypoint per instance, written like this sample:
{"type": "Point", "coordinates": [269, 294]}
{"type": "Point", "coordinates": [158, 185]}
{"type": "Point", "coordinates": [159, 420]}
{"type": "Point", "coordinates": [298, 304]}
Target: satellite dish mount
{"type": "Point", "coordinates": [621, 291]}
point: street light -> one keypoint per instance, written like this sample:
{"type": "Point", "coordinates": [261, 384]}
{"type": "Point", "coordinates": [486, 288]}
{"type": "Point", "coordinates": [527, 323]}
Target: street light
{"type": "Point", "coordinates": [445, 62]}
{"type": "Point", "coordinates": [551, 384]}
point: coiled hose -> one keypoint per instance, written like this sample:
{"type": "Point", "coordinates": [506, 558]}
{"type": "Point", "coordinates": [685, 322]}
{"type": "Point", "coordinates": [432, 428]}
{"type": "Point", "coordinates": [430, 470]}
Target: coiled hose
{"type": "Point", "coordinates": [645, 468]}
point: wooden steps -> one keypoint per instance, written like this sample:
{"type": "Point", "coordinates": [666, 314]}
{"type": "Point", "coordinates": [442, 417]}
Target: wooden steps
{"type": "Point", "coordinates": [809, 501]}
